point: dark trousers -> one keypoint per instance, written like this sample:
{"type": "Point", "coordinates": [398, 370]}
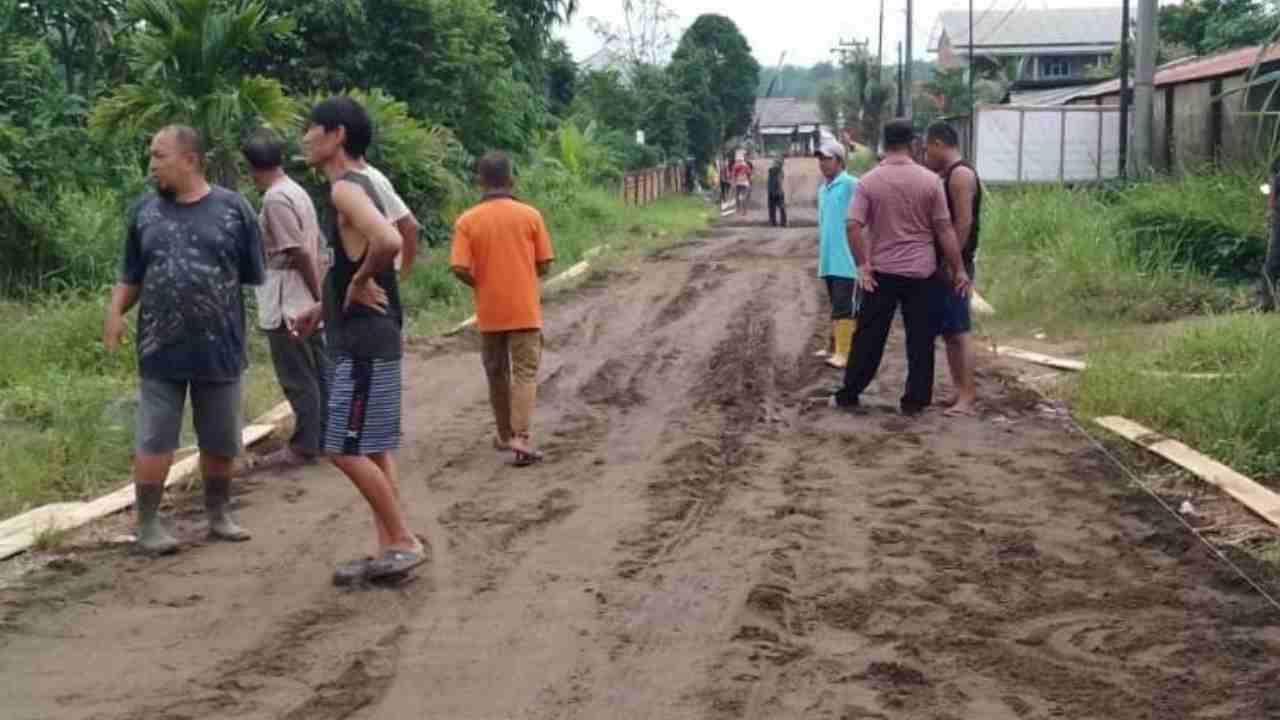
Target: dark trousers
{"type": "Point", "coordinates": [302, 368]}
{"type": "Point", "coordinates": [1270, 290]}
{"type": "Point", "coordinates": [915, 295]}
{"type": "Point", "coordinates": [777, 205]}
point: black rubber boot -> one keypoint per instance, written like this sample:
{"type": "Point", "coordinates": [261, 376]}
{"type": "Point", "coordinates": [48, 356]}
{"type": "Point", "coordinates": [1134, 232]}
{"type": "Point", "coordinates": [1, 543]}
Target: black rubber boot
{"type": "Point", "coordinates": [217, 493]}
{"type": "Point", "coordinates": [153, 538]}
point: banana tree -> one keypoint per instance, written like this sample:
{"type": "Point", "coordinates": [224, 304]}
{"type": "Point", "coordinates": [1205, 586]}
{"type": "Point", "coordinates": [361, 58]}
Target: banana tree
{"type": "Point", "coordinates": [187, 63]}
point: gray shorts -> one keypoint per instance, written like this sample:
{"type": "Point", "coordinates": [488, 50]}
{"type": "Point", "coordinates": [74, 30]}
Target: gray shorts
{"type": "Point", "coordinates": [214, 405]}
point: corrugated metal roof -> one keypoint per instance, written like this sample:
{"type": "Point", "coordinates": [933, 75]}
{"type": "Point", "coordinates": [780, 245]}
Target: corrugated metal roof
{"type": "Point", "coordinates": [785, 112]}
{"type": "Point", "coordinates": [1056, 96]}
{"type": "Point", "coordinates": [1229, 62]}
{"type": "Point", "coordinates": [1037, 28]}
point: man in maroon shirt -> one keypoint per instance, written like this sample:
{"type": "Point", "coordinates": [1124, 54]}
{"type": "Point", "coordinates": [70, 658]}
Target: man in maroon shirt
{"type": "Point", "coordinates": [899, 210]}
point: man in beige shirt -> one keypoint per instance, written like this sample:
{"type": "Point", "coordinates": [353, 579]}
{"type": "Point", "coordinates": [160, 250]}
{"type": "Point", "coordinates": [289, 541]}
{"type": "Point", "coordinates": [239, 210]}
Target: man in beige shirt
{"type": "Point", "coordinates": [291, 244]}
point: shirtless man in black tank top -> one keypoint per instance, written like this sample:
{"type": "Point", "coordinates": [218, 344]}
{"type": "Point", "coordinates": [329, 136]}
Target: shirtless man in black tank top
{"type": "Point", "coordinates": [964, 199]}
{"type": "Point", "coordinates": [362, 316]}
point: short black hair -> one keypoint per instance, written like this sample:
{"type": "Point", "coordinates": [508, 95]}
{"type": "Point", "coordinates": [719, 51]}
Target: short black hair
{"type": "Point", "coordinates": [943, 132]}
{"type": "Point", "coordinates": [494, 169]}
{"type": "Point", "coordinates": [188, 138]}
{"type": "Point", "coordinates": [263, 149]}
{"type": "Point", "coordinates": [898, 133]}
{"type": "Point", "coordinates": [342, 111]}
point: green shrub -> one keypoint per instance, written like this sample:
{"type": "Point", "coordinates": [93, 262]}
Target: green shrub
{"type": "Point", "coordinates": [1052, 256]}
{"type": "Point", "coordinates": [1213, 223]}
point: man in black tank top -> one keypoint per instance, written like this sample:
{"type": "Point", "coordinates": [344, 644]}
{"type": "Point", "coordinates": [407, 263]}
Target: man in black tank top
{"type": "Point", "coordinates": [362, 316]}
{"type": "Point", "coordinates": [964, 200]}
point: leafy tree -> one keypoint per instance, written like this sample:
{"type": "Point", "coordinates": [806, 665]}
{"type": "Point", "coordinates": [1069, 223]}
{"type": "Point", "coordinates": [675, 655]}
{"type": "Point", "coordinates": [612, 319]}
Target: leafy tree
{"type": "Point", "coordinates": [529, 24]}
{"type": "Point", "coordinates": [705, 121]}
{"type": "Point", "coordinates": [1207, 26]}
{"type": "Point", "coordinates": [450, 60]}
{"type": "Point", "coordinates": [723, 100]}
{"type": "Point", "coordinates": [605, 97]}
{"type": "Point", "coordinates": [84, 37]}
{"type": "Point", "coordinates": [187, 62]}
{"type": "Point", "coordinates": [562, 78]}
{"type": "Point", "coordinates": [663, 111]}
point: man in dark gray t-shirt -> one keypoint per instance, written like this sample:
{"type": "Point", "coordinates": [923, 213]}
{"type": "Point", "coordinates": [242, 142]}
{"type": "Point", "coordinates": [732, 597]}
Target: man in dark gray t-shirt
{"type": "Point", "coordinates": [189, 249]}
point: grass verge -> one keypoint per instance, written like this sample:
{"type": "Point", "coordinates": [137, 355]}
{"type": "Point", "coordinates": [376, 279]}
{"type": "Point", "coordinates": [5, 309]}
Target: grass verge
{"type": "Point", "coordinates": [1145, 279]}
{"type": "Point", "coordinates": [67, 407]}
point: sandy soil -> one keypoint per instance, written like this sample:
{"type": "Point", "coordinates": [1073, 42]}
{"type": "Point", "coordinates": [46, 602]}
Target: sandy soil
{"type": "Point", "coordinates": [696, 546]}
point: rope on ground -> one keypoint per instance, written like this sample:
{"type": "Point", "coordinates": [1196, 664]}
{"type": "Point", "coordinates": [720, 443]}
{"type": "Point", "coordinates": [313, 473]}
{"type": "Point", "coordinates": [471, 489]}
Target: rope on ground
{"type": "Point", "coordinates": [1159, 500]}
{"type": "Point", "coordinates": [1177, 516]}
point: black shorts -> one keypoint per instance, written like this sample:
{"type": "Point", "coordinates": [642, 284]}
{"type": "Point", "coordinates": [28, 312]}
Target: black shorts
{"type": "Point", "coordinates": [844, 297]}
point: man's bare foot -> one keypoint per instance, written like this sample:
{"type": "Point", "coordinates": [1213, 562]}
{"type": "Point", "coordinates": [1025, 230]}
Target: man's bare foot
{"type": "Point", "coordinates": [948, 400]}
{"type": "Point", "coordinates": [500, 444]}
{"type": "Point", "coordinates": [964, 407]}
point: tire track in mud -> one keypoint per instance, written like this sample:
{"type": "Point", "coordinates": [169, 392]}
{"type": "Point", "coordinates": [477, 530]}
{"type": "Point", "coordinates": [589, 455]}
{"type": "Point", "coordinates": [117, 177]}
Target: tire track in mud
{"type": "Point", "coordinates": [700, 472]}
{"type": "Point", "coordinates": [965, 602]}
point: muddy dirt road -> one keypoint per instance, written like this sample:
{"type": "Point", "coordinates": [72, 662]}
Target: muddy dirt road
{"type": "Point", "coordinates": [696, 546]}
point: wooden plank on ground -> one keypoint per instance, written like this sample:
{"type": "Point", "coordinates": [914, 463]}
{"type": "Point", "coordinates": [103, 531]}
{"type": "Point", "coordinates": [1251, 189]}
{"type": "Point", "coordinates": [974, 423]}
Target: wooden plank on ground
{"type": "Point", "coordinates": [1257, 498]}
{"type": "Point", "coordinates": [1038, 359]}
{"type": "Point", "coordinates": [276, 415]}
{"type": "Point", "coordinates": [20, 533]}
{"type": "Point", "coordinates": [980, 306]}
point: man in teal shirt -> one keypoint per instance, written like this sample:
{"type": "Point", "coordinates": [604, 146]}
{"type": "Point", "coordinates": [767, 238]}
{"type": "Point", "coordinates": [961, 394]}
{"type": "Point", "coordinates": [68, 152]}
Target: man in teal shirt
{"type": "Point", "coordinates": [835, 260]}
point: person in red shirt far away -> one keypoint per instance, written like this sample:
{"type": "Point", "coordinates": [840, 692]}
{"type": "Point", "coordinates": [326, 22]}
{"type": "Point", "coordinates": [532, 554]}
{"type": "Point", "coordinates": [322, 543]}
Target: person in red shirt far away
{"type": "Point", "coordinates": [501, 248]}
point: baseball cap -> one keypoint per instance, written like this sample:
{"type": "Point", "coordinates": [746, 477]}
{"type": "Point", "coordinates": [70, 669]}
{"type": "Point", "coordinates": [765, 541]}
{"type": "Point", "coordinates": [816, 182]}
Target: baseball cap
{"type": "Point", "coordinates": [831, 149]}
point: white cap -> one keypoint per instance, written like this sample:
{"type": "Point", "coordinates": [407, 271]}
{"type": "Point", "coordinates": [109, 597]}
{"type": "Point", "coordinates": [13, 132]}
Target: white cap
{"type": "Point", "coordinates": [831, 149]}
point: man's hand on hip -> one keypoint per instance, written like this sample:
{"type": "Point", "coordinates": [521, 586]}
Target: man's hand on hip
{"type": "Point", "coordinates": [368, 293]}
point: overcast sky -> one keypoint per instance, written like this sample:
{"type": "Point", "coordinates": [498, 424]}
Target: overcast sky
{"type": "Point", "coordinates": [807, 29]}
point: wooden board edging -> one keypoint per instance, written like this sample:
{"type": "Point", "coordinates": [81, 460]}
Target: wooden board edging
{"type": "Point", "coordinates": [1257, 498]}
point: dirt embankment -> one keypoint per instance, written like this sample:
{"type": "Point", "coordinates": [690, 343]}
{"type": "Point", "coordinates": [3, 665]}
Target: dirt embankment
{"type": "Point", "coordinates": [696, 546]}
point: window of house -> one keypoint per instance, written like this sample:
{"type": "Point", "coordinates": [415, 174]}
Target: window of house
{"type": "Point", "coordinates": [1055, 67]}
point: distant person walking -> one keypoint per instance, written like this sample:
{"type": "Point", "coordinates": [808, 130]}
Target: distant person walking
{"type": "Point", "coordinates": [362, 317]}
{"type": "Point", "coordinates": [742, 184]}
{"type": "Point", "coordinates": [777, 194]}
{"type": "Point", "coordinates": [964, 203]}
{"type": "Point", "coordinates": [501, 248]}
{"type": "Point", "coordinates": [836, 265]}
{"type": "Point", "coordinates": [898, 211]}
{"type": "Point", "coordinates": [291, 246]}
{"type": "Point", "coordinates": [189, 249]}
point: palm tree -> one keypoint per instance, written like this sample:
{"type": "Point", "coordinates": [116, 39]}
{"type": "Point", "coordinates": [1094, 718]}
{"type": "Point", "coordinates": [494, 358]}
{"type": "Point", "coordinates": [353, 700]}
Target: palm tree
{"type": "Point", "coordinates": [187, 63]}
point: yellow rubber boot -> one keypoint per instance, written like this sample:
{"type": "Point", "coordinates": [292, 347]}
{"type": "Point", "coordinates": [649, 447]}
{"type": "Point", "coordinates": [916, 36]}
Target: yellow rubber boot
{"type": "Point", "coordinates": [843, 333]}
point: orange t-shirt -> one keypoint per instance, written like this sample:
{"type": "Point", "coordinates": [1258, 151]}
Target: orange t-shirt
{"type": "Point", "coordinates": [501, 241]}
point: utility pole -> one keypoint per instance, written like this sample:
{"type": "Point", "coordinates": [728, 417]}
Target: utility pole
{"type": "Point", "coordinates": [880, 48]}
{"type": "Point", "coordinates": [900, 110]}
{"type": "Point", "coordinates": [1124, 90]}
{"type": "Point", "coordinates": [906, 71]}
{"type": "Point", "coordinates": [851, 49]}
{"type": "Point", "coordinates": [973, 101]}
{"type": "Point", "coordinates": [1144, 92]}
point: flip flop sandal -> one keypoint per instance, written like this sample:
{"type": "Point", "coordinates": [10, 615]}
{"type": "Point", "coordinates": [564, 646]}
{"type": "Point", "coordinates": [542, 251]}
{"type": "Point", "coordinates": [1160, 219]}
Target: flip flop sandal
{"type": "Point", "coordinates": [395, 563]}
{"type": "Point", "coordinates": [350, 573]}
{"type": "Point", "coordinates": [525, 459]}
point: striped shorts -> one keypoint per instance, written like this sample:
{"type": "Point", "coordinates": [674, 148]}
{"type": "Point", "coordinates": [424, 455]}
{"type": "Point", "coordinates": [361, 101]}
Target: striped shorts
{"type": "Point", "coordinates": [363, 416]}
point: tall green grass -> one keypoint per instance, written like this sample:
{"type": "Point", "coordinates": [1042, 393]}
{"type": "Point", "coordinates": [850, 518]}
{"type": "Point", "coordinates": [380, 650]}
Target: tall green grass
{"type": "Point", "coordinates": [1232, 418]}
{"type": "Point", "coordinates": [1063, 259]}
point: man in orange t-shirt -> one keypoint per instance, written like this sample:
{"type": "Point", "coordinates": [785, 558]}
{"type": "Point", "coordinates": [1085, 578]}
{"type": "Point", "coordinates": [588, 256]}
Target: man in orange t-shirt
{"type": "Point", "coordinates": [500, 248]}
